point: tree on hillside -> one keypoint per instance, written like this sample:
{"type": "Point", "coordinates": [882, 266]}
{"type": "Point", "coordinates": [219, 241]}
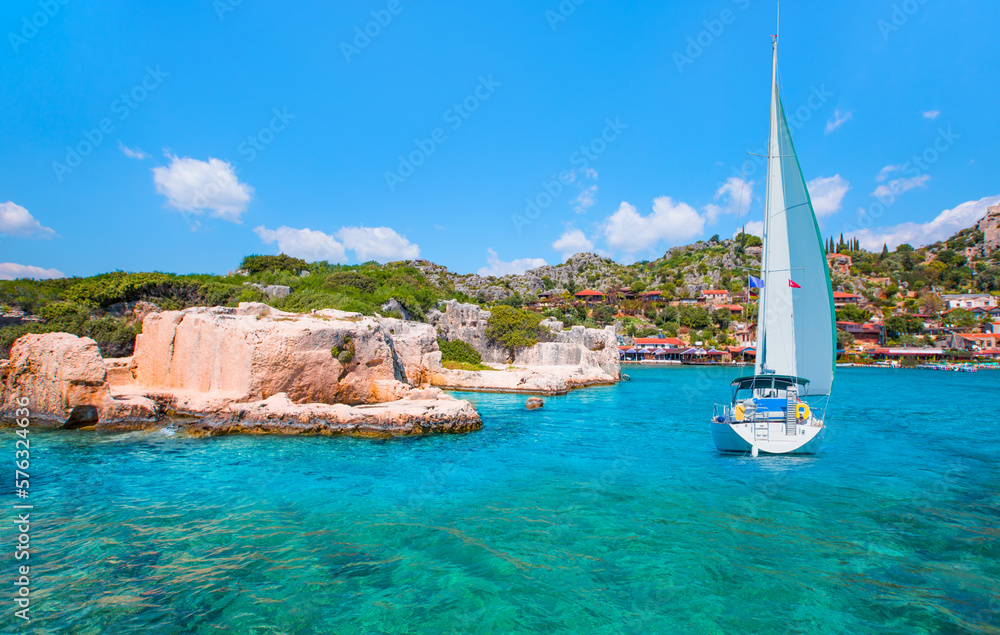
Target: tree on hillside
{"type": "Point", "coordinates": [900, 325]}
{"type": "Point", "coordinates": [695, 317]}
{"type": "Point", "coordinates": [853, 313]}
{"type": "Point", "coordinates": [931, 304]}
{"type": "Point", "coordinates": [603, 314]}
{"type": "Point", "coordinates": [961, 318]}
{"type": "Point", "coordinates": [513, 328]}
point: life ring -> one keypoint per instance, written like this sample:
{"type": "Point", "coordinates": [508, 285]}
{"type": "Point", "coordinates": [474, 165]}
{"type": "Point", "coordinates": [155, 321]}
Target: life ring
{"type": "Point", "coordinates": [738, 412]}
{"type": "Point", "coordinates": [802, 411]}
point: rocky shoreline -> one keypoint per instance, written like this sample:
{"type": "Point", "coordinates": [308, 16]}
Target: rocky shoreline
{"type": "Point", "coordinates": [254, 370]}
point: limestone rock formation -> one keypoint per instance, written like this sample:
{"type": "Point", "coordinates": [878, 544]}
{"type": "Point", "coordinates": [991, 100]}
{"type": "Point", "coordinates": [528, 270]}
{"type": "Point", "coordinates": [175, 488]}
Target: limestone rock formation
{"type": "Point", "coordinates": [990, 226]}
{"type": "Point", "coordinates": [254, 352]}
{"type": "Point", "coordinates": [578, 347]}
{"type": "Point", "coordinates": [246, 370]}
{"type": "Point", "coordinates": [57, 372]}
{"type": "Point", "coordinates": [467, 322]}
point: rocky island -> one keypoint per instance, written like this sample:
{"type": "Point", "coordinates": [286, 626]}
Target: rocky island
{"type": "Point", "coordinates": [253, 369]}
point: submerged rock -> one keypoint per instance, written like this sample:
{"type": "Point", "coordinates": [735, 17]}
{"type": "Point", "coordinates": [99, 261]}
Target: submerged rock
{"type": "Point", "coordinates": [534, 403]}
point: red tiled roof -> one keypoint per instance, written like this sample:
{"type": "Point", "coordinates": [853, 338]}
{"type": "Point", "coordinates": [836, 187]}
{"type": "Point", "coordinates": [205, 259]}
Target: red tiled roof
{"type": "Point", "coordinates": [715, 292]}
{"type": "Point", "coordinates": [589, 292]}
{"type": "Point", "coordinates": [658, 340]}
{"type": "Point", "coordinates": [731, 307]}
{"type": "Point", "coordinates": [844, 296]}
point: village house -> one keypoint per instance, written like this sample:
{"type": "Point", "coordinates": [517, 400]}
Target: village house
{"type": "Point", "coordinates": [867, 332]}
{"type": "Point", "coordinates": [716, 296]}
{"type": "Point", "coordinates": [842, 299]}
{"type": "Point", "coordinates": [969, 301]}
{"type": "Point", "coordinates": [973, 341]}
{"type": "Point", "coordinates": [732, 308]}
{"type": "Point", "coordinates": [653, 343]}
{"type": "Point", "coordinates": [589, 296]}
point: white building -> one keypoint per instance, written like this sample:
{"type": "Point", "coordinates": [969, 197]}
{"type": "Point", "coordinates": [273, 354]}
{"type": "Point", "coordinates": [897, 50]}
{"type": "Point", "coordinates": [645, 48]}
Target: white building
{"type": "Point", "coordinates": [970, 301]}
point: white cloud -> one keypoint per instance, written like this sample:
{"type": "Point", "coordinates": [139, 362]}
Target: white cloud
{"type": "Point", "coordinates": [194, 186]}
{"type": "Point", "coordinates": [630, 232]}
{"type": "Point", "coordinates": [895, 187]}
{"type": "Point", "coordinates": [130, 153]}
{"type": "Point", "coordinates": [736, 192]}
{"type": "Point", "coordinates": [309, 244]}
{"type": "Point", "coordinates": [13, 271]}
{"type": "Point", "coordinates": [378, 243]}
{"type": "Point", "coordinates": [838, 119]}
{"type": "Point", "coordinates": [368, 243]}
{"type": "Point", "coordinates": [496, 267]}
{"type": "Point", "coordinates": [886, 171]}
{"type": "Point", "coordinates": [827, 194]}
{"type": "Point", "coordinates": [572, 242]}
{"type": "Point", "coordinates": [586, 199]}
{"type": "Point", "coordinates": [932, 114]}
{"type": "Point", "coordinates": [944, 226]}
{"type": "Point", "coordinates": [17, 221]}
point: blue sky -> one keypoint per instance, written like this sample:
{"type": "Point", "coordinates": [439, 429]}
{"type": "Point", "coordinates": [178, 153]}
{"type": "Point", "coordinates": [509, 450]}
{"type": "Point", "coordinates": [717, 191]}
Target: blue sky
{"type": "Point", "coordinates": [182, 136]}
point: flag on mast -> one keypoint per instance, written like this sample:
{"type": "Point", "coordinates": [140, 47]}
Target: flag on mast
{"type": "Point", "coordinates": [793, 284]}
{"type": "Point", "coordinates": [756, 283]}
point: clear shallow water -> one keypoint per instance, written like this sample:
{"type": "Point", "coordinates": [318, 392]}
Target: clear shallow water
{"type": "Point", "coordinates": [608, 511]}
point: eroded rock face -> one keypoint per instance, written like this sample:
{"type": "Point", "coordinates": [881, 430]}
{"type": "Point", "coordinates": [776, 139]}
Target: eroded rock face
{"type": "Point", "coordinates": [57, 372]}
{"type": "Point", "coordinates": [250, 370]}
{"type": "Point", "coordinates": [255, 352]}
{"type": "Point", "coordinates": [578, 346]}
{"type": "Point", "coordinates": [582, 347]}
{"type": "Point", "coordinates": [468, 322]}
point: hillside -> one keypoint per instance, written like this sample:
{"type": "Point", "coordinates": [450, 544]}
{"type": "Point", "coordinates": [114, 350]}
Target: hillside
{"type": "Point", "coordinates": [110, 307]}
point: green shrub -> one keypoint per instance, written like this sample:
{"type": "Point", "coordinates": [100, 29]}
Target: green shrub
{"type": "Point", "coordinates": [350, 279]}
{"type": "Point", "coordinates": [255, 264]}
{"type": "Point", "coordinates": [345, 351]}
{"type": "Point", "coordinates": [459, 351]}
{"type": "Point", "coordinates": [513, 328]}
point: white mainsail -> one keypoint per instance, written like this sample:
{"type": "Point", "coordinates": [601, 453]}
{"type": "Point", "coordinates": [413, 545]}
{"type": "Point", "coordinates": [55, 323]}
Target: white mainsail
{"type": "Point", "coordinates": [796, 332]}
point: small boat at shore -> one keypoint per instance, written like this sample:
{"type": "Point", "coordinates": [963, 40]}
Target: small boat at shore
{"type": "Point", "coordinates": [780, 408]}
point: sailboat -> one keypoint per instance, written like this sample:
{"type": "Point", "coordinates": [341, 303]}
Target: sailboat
{"type": "Point", "coordinates": [780, 408]}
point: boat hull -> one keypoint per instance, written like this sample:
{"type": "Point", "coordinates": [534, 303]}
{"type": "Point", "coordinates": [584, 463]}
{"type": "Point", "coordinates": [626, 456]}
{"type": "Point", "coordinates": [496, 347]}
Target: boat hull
{"type": "Point", "coordinates": [738, 438]}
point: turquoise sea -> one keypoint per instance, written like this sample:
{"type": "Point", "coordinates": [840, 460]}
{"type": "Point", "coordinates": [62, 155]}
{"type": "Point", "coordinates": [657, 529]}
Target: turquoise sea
{"type": "Point", "coordinates": [608, 511]}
